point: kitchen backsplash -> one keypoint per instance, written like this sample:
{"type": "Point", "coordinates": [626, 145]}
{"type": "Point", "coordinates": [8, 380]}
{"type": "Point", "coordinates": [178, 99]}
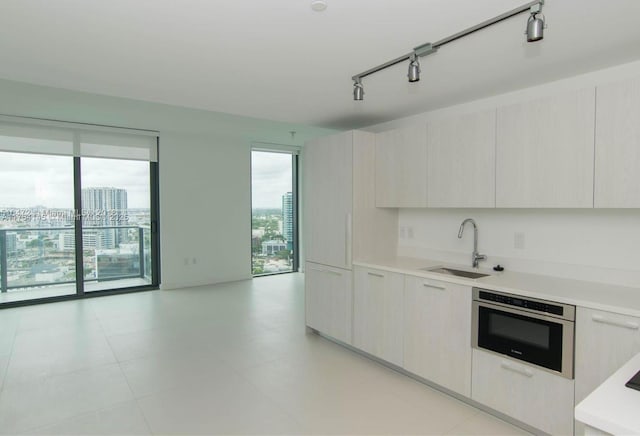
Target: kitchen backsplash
{"type": "Point", "coordinates": [593, 245]}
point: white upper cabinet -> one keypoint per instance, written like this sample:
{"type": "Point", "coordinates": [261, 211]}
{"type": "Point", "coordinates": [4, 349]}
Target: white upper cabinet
{"type": "Point", "coordinates": [545, 152]}
{"type": "Point", "coordinates": [461, 161]}
{"type": "Point", "coordinates": [617, 168]}
{"type": "Point", "coordinates": [328, 186]}
{"type": "Point", "coordinates": [401, 167]}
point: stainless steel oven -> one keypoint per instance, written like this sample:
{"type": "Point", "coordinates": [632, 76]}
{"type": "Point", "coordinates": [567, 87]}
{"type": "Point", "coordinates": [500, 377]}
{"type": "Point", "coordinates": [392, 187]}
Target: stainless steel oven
{"type": "Point", "coordinates": [536, 331]}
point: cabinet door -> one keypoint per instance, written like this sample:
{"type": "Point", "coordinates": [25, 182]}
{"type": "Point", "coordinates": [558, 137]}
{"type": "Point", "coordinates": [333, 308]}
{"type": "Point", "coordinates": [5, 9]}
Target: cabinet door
{"type": "Point", "coordinates": [328, 300]}
{"type": "Point", "coordinates": [528, 394]}
{"type": "Point", "coordinates": [377, 313]}
{"type": "Point", "coordinates": [328, 188]}
{"type": "Point", "coordinates": [544, 154]}
{"type": "Point", "coordinates": [437, 332]}
{"type": "Point", "coordinates": [461, 154]}
{"type": "Point", "coordinates": [604, 342]}
{"type": "Point", "coordinates": [617, 169]}
{"type": "Point", "coordinates": [401, 167]}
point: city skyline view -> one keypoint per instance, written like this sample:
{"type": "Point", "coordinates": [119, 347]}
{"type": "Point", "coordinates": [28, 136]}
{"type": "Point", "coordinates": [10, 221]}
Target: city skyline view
{"type": "Point", "coordinates": [39, 243]}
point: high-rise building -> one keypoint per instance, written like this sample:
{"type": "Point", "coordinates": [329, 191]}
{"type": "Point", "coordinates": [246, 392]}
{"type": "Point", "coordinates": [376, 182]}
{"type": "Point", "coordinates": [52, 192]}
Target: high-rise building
{"type": "Point", "coordinates": [106, 207]}
{"type": "Point", "coordinates": [287, 219]}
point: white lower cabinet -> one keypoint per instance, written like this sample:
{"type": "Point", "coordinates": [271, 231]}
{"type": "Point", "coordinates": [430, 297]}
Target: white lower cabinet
{"type": "Point", "coordinates": [377, 313]}
{"type": "Point", "coordinates": [604, 342]}
{"type": "Point", "coordinates": [328, 300]}
{"type": "Point", "coordinates": [523, 392]}
{"type": "Point", "coordinates": [437, 332]}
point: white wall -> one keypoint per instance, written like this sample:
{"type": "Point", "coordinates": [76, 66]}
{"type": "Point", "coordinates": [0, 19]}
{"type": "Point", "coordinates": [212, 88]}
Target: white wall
{"type": "Point", "coordinates": [594, 245]}
{"type": "Point", "coordinates": [204, 165]}
{"type": "Point", "coordinates": [587, 244]}
{"type": "Point", "coordinates": [204, 210]}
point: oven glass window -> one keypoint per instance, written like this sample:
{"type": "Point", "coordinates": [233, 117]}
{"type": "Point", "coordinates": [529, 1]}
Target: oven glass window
{"type": "Point", "coordinates": [520, 336]}
{"type": "Point", "coordinates": [523, 331]}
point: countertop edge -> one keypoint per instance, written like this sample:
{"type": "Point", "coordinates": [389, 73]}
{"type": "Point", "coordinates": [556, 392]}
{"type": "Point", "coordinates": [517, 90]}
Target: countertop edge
{"type": "Point", "coordinates": [410, 268]}
{"type": "Point", "coordinates": [593, 413]}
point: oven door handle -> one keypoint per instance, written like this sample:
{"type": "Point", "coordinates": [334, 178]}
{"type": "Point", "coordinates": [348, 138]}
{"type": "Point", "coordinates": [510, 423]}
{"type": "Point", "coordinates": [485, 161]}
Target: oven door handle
{"type": "Point", "coordinates": [521, 371]}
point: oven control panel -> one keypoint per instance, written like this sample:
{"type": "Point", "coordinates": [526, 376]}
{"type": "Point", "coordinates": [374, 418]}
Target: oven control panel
{"type": "Point", "coordinates": [524, 303]}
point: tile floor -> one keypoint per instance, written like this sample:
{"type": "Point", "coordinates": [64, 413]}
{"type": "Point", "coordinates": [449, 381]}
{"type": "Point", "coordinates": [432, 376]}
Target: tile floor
{"type": "Point", "coordinates": [225, 359]}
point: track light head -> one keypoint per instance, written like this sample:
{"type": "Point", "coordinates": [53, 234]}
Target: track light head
{"type": "Point", "coordinates": [535, 24]}
{"type": "Point", "coordinates": [414, 69]}
{"type": "Point", "coordinates": [358, 90]}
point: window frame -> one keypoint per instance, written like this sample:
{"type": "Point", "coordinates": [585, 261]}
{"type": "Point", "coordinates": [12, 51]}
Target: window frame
{"type": "Point", "coordinates": [294, 151]}
{"type": "Point", "coordinates": [154, 186]}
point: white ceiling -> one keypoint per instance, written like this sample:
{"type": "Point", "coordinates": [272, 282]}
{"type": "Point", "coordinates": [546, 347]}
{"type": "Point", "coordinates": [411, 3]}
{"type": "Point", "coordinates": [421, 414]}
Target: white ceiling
{"type": "Point", "coordinates": [279, 60]}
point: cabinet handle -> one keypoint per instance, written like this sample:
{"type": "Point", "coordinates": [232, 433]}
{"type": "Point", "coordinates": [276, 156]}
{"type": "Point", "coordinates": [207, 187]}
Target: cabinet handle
{"type": "Point", "coordinates": [327, 271]}
{"type": "Point", "coordinates": [624, 324]}
{"type": "Point", "coordinates": [522, 371]}
{"type": "Point", "coordinates": [347, 240]}
{"type": "Point", "coordinates": [376, 275]}
{"type": "Point", "coordinates": [428, 285]}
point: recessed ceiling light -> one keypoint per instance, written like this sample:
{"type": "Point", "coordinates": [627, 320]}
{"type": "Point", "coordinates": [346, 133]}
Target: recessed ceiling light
{"type": "Point", "coordinates": [318, 5]}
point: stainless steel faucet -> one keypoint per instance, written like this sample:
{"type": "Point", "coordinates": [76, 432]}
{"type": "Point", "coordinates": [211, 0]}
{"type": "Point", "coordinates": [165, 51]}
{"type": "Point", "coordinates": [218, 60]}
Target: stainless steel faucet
{"type": "Point", "coordinates": [475, 256]}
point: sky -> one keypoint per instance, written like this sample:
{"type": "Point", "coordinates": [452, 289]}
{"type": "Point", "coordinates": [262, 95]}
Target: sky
{"type": "Point", "coordinates": [270, 178]}
{"type": "Point", "coordinates": [28, 180]}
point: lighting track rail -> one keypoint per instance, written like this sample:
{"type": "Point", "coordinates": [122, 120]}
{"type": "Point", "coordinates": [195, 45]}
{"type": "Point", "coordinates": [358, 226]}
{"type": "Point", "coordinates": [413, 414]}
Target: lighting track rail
{"type": "Point", "coordinates": [534, 32]}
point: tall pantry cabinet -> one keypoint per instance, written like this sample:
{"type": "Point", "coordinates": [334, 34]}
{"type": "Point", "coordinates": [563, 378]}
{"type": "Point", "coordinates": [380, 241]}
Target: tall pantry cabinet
{"type": "Point", "coordinates": [340, 223]}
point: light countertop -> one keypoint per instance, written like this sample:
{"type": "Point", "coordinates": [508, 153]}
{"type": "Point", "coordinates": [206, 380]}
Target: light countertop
{"type": "Point", "coordinates": [613, 407]}
{"type": "Point", "coordinates": [600, 296]}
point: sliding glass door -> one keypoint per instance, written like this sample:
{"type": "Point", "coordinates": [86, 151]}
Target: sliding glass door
{"type": "Point", "coordinates": [78, 211]}
{"type": "Point", "coordinates": [116, 224]}
{"type": "Point", "coordinates": [36, 214]}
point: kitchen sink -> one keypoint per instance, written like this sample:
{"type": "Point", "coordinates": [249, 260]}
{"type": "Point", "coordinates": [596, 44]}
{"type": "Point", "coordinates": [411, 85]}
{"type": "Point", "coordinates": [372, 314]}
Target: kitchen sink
{"type": "Point", "coordinates": [455, 272]}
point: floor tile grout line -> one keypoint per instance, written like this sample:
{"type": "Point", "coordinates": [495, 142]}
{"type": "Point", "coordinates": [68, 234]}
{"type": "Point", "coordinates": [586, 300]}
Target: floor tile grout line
{"type": "Point", "coordinates": [135, 398]}
{"type": "Point", "coordinates": [144, 417]}
{"type": "Point", "coordinates": [52, 376]}
{"type": "Point", "coordinates": [71, 418]}
{"type": "Point", "coordinates": [3, 385]}
{"type": "Point", "coordinates": [288, 412]}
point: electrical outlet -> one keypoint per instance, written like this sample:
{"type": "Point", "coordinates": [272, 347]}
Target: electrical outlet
{"type": "Point", "coordinates": [410, 232]}
{"type": "Point", "coordinates": [518, 240]}
{"type": "Point", "coordinates": [194, 261]}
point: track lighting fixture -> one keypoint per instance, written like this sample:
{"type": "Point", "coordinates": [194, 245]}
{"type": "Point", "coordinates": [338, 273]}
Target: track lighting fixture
{"type": "Point", "coordinates": [358, 90]}
{"type": "Point", "coordinates": [535, 24]}
{"type": "Point", "coordinates": [535, 32]}
{"type": "Point", "coordinates": [414, 69]}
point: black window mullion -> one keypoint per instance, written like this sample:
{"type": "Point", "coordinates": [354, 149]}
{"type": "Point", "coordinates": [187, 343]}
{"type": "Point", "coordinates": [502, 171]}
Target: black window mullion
{"type": "Point", "coordinates": [294, 195]}
{"type": "Point", "coordinates": [77, 201]}
{"type": "Point", "coordinates": [155, 222]}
